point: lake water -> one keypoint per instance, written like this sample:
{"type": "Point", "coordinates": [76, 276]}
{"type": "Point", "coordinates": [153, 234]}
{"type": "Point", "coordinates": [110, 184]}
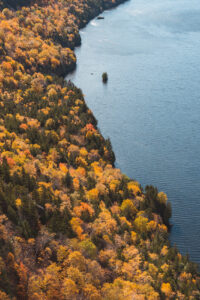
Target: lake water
{"type": "Point", "coordinates": [150, 107]}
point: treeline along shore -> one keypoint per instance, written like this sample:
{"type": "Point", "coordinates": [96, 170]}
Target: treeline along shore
{"type": "Point", "coordinates": [72, 226]}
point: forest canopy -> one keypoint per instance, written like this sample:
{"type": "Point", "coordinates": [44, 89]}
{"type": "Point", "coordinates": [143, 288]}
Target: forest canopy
{"type": "Point", "coordinates": [72, 226]}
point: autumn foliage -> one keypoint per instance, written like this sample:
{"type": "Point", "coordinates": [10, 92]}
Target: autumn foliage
{"type": "Point", "coordinates": [72, 226]}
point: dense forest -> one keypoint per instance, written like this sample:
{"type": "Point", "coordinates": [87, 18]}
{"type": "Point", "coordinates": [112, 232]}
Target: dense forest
{"type": "Point", "coordinates": [72, 226]}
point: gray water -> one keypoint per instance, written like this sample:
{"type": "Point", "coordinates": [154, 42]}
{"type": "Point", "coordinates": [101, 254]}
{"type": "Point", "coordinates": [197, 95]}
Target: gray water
{"type": "Point", "coordinates": [150, 106]}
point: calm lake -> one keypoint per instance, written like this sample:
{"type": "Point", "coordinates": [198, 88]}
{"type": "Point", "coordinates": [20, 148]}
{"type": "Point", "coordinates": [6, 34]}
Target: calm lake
{"type": "Point", "coordinates": [150, 107]}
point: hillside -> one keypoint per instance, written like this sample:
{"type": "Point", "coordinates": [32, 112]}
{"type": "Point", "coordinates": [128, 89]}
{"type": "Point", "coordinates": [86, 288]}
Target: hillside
{"type": "Point", "coordinates": [72, 226]}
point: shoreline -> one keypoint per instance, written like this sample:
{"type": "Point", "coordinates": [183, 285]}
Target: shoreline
{"type": "Point", "coordinates": [72, 225]}
{"type": "Point", "coordinates": [98, 11]}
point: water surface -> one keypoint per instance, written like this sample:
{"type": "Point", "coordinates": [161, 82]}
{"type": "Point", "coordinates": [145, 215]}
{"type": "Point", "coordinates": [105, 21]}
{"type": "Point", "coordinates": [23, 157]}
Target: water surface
{"type": "Point", "coordinates": [150, 107]}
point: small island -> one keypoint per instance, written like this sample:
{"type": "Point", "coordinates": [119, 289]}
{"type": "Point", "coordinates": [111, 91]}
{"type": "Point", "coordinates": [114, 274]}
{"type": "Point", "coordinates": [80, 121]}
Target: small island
{"type": "Point", "coordinates": [104, 77]}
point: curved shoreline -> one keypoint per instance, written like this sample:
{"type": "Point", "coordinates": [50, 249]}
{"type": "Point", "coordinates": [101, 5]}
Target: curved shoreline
{"type": "Point", "coordinates": [170, 226]}
{"type": "Point", "coordinates": [72, 226]}
{"type": "Point", "coordinates": [95, 14]}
